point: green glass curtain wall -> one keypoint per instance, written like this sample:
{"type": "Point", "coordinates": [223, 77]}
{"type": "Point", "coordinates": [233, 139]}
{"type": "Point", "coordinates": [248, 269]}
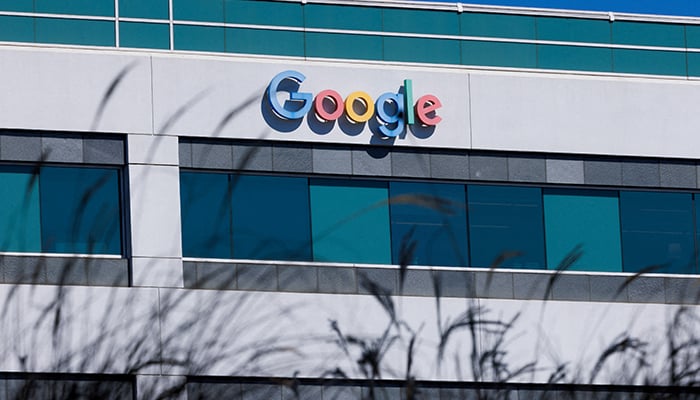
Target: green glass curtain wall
{"type": "Point", "coordinates": [265, 217]}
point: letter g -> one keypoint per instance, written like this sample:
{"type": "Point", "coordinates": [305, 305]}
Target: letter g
{"type": "Point", "coordinates": [304, 98]}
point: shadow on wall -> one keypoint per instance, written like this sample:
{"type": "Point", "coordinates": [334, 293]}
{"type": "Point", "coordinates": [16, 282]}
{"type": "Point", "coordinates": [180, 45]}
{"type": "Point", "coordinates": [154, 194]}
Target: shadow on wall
{"type": "Point", "coordinates": [118, 333]}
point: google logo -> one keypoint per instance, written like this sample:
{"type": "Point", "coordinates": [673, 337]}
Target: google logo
{"type": "Point", "coordinates": [393, 110]}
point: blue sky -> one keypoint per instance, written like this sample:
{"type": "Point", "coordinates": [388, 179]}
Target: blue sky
{"type": "Point", "coordinates": [690, 8]}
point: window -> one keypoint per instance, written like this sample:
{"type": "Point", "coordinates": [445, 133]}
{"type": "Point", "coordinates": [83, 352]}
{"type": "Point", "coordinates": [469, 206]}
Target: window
{"type": "Point", "coordinates": [73, 210]}
{"type": "Point", "coordinates": [586, 218]}
{"type": "Point", "coordinates": [245, 216]}
{"type": "Point", "coordinates": [434, 217]}
{"type": "Point", "coordinates": [505, 222]}
{"type": "Point", "coordinates": [657, 232]}
{"type": "Point", "coordinates": [350, 221]}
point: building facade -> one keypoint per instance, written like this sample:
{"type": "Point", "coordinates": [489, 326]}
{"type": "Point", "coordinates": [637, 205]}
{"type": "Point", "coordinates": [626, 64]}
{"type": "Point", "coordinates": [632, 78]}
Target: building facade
{"type": "Point", "coordinates": [347, 199]}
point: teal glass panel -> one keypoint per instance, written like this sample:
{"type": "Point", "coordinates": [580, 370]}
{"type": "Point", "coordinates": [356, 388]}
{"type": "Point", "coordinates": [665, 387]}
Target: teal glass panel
{"type": "Point", "coordinates": [657, 231]}
{"type": "Point", "coordinates": [74, 31]}
{"type": "Point", "coordinates": [573, 30]}
{"type": "Point", "coordinates": [441, 51]}
{"type": "Point", "coordinates": [19, 215]}
{"type": "Point", "coordinates": [198, 38]}
{"type": "Point", "coordinates": [433, 216]}
{"type": "Point", "coordinates": [260, 41]}
{"type": "Point", "coordinates": [692, 36]}
{"type": "Point", "coordinates": [153, 9]}
{"type": "Point", "coordinates": [421, 21]}
{"type": "Point", "coordinates": [205, 202]}
{"type": "Point", "coordinates": [574, 58]}
{"type": "Point", "coordinates": [497, 25]}
{"type": "Point", "coordinates": [271, 218]}
{"type": "Point", "coordinates": [649, 62]}
{"type": "Point", "coordinates": [693, 64]}
{"type": "Point", "coordinates": [103, 8]}
{"type": "Point", "coordinates": [17, 5]}
{"type": "Point", "coordinates": [330, 45]}
{"type": "Point", "coordinates": [506, 222]}
{"type": "Point", "coordinates": [586, 218]}
{"type": "Point", "coordinates": [144, 35]}
{"type": "Point", "coordinates": [343, 17]}
{"type": "Point", "coordinates": [16, 29]}
{"type": "Point", "coordinates": [648, 34]}
{"type": "Point", "coordinates": [350, 221]}
{"type": "Point", "coordinates": [198, 10]}
{"type": "Point", "coordinates": [264, 13]}
{"type": "Point", "coordinates": [515, 55]}
{"type": "Point", "coordinates": [80, 211]}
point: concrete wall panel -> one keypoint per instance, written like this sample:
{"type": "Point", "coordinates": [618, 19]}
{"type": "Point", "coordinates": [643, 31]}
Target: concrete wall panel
{"type": "Point", "coordinates": [75, 90]}
{"type": "Point", "coordinates": [589, 115]}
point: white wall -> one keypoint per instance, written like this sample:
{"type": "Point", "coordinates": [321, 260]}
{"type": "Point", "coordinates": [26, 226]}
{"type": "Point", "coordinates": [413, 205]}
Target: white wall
{"type": "Point", "coordinates": [222, 96]}
{"type": "Point", "coordinates": [211, 332]}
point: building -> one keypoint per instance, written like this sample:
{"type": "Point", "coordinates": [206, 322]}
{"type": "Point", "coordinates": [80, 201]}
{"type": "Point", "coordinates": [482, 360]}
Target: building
{"type": "Point", "coordinates": [208, 199]}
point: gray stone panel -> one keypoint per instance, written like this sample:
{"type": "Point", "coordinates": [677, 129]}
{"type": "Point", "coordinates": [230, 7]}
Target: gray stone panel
{"type": "Point", "coordinates": [418, 282]}
{"type": "Point", "coordinates": [189, 274]}
{"type": "Point", "coordinates": [373, 161]}
{"type": "Point", "coordinates": [66, 271]}
{"type": "Point", "coordinates": [20, 148]}
{"type": "Point", "coordinates": [213, 156]}
{"type": "Point", "coordinates": [287, 158]}
{"type": "Point", "coordinates": [211, 275]}
{"type": "Point", "coordinates": [387, 279]}
{"type": "Point", "coordinates": [494, 284]}
{"type": "Point", "coordinates": [256, 391]}
{"type": "Point", "coordinates": [488, 168]}
{"type": "Point", "coordinates": [602, 172]}
{"type": "Point", "coordinates": [608, 288]}
{"type": "Point", "coordinates": [185, 154]}
{"type": "Point", "coordinates": [449, 166]}
{"type": "Point", "coordinates": [303, 392]}
{"type": "Point", "coordinates": [67, 149]}
{"type": "Point", "coordinates": [571, 287]}
{"type": "Point", "coordinates": [257, 277]}
{"type": "Point", "coordinates": [382, 393]}
{"type": "Point", "coordinates": [530, 286]}
{"type": "Point", "coordinates": [296, 278]}
{"type": "Point", "coordinates": [682, 290]}
{"type": "Point", "coordinates": [332, 161]}
{"type": "Point", "coordinates": [410, 164]}
{"type": "Point", "coordinates": [455, 283]}
{"type": "Point", "coordinates": [252, 157]}
{"type": "Point", "coordinates": [423, 393]}
{"type": "Point", "coordinates": [337, 280]}
{"type": "Point", "coordinates": [342, 393]}
{"type": "Point", "coordinates": [533, 394]}
{"type": "Point", "coordinates": [452, 394]}
{"type": "Point", "coordinates": [23, 269]}
{"type": "Point", "coordinates": [526, 169]}
{"type": "Point", "coordinates": [561, 170]}
{"type": "Point", "coordinates": [98, 150]}
{"type": "Point", "coordinates": [644, 289]}
{"type": "Point", "coordinates": [679, 174]}
{"type": "Point", "coordinates": [206, 391]}
{"type": "Point", "coordinates": [640, 173]}
{"type": "Point", "coordinates": [108, 272]}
